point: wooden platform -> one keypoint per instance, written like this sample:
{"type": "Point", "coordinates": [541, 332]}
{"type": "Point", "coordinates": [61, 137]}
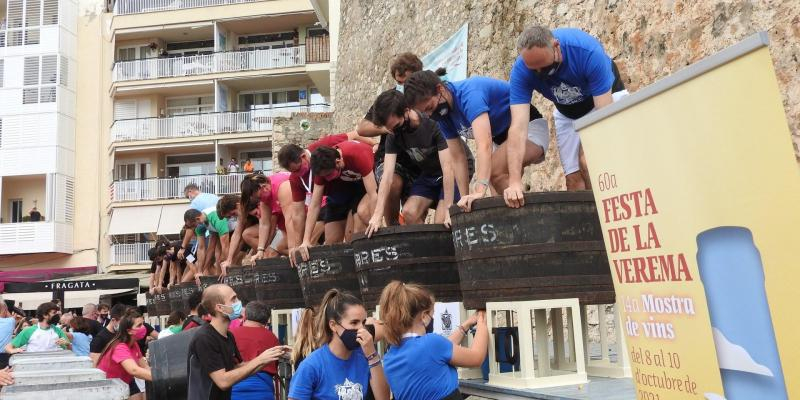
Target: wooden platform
{"type": "Point", "coordinates": [596, 389]}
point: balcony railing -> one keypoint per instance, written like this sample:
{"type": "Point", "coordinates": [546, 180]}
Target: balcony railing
{"type": "Point", "coordinates": [172, 188]}
{"type": "Point", "coordinates": [227, 61]}
{"type": "Point", "coordinates": [35, 237]}
{"type": "Point", "coordinates": [122, 7]}
{"type": "Point", "coordinates": [195, 125]}
{"type": "Point", "coordinates": [135, 253]}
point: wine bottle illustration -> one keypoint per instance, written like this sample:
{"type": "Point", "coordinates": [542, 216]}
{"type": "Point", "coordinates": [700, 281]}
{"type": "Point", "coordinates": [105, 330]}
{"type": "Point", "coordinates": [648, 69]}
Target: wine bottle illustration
{"type": "Point", "coordinates": [733, 277]}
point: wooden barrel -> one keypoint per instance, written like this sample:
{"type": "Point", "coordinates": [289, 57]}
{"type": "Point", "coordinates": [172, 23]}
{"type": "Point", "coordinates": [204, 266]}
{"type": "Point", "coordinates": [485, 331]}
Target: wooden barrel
{"type": "Point", "coordinates": [552, 248]}
{"type": "Point", "coordinates": [151, 305]}
{"type": "Point", "coordinates": [169, 366]}
{"type": "Point", "coordinates": [175, 295]}
{"type": "Point", "coordinates": [208, 280]}
{"type": "Point", "coordinates": [328, 267]}
{"type": "Point", "coordinates": [240, 279]}
{"type": "Point", "coordinates": [161, 303]}
{"type": "Point", "coordinates": [421, 254]}
{"type": "Point", "coordinates": [277, 284]}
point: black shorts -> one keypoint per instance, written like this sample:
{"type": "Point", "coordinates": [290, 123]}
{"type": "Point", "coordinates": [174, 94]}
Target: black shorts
{"type": "Point", "coordinates": [404, 173]}
{"type": "Point", "coordinates": [322, 211]}
{"type": "Point", "coordinates": [344, 201]}
{"type": "Point", "coordinates": [133, 387]}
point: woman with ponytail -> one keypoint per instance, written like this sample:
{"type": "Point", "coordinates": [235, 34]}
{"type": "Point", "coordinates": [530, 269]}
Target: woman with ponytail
{"type": "Point", "coordinates": [346, 364]}
{"type": "Point", "coordinates": [305, 341]}
{"type": "Point", "coordinates": [265, 198]}
{"type": "Point", "coordinates": [122, 358]}
{"type": "Point", "coordinates": [419, 365]}
{"type": "Point", "coordinates": [476, 108]}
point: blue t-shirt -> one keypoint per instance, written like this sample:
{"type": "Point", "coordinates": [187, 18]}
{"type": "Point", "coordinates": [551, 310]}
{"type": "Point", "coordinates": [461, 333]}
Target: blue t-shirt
{"type": "Point", "coordinates": [6, 329]}
{"type": "Point", "coordinates": [323, 376]}
{"type": "Point", "coordinates": [473, 97]}
{"type": "Point", "coordinates": [80, 343]}
{"type": "Point", "coordinates": [420, 368]}
{"type": "Point", "coordinates": [204, 201]}
{"type": "Point", "coordinates": [585, 71]}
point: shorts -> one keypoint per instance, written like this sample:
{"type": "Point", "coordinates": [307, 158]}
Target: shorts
{"type": "Point", "coordinates": [569, 143]}
{"type": "Point", "coordinates": [538, 132]}
{"type": "Point", "coordinates": [344, 201]}
{"type": "Point", "coordinates": [133, 387]}
{"type": "Point", "coordinates": [404, 174]}
{"type": "Point", "coordinates": [322, 211]}
{"type": "Point", "coordinates": [431, 187]}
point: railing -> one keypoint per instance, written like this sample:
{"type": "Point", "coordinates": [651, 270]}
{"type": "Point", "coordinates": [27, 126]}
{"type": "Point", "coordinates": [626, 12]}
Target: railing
{"type": "Point", "coordinates": [194, 125]}
{"type": "Point", "coordinates": [318, 49]}
{"type": "Point", "coordinates": [172, 188]}
{"type": "Point", "coordinates": [122, 7]}
{"type": "Point", "coordinates": [227, 61]}
{"type": "Point", "coordinates": [135, 253]}
{"type": "Point", "coordinates": [35, 237]}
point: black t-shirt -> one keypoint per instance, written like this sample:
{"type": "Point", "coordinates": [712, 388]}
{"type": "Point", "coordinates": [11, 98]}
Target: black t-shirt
{"type": "Point", "coordinates": [100, 341]}
{"type": "Point", "coordinates": [95, 327]}
{"type": "Point", "coordinates": [421, 144]}
{"type": "Point", "coordinates": [402, 158]}
{"type": "Point", "coordinates": [208, 352]}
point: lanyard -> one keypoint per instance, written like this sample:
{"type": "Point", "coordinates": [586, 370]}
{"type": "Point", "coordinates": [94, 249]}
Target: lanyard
{"type": "Point", "coordinates": [310, 176]}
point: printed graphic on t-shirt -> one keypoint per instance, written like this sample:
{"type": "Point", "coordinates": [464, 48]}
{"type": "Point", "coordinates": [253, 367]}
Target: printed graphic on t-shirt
{"type": "Point", "coordinates": [350, 176]}
{"type": "Point", "coordinates": [566, 94]}
{"type": "Point", "coordinates": [420, 154]}
{"type": "Point", "coordinates": [350, 391]}
{"type": "Point", "coordinates": [465, 132]}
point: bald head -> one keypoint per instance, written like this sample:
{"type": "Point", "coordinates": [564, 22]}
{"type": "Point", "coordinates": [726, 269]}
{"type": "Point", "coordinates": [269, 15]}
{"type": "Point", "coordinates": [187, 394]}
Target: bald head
{"type": "Point", "coordinates": [215, 295]}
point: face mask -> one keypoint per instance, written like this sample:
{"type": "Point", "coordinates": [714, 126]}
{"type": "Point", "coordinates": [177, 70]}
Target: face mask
{"type": "Point", "coordinates": [550, 70]}
{"type": "Point", "coordinates": [54, 320]}
{"type": "Point", "coordinates": [441, 111]}
{"type": "Point", "coordinates": [333, 175]}
{"type": "Point", "coordinates": [349, 338]}
{"type": "Point", "coordinates": [115, 326]}
{"type": "Point", "coordinates": [236, 310]}
{"type": "Point", "coordinates": [429, 326]}
{"type": "Point", "coordinates": [304, 168]}
{"type": "Point", "coordinates": [139, 333]}
{"type": "Point", "coordinates": [404, 127]}
{"type": "Point", "coordinates": [399, 88]}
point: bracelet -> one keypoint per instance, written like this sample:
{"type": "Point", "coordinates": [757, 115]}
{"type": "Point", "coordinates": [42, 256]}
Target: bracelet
{"type": "Point", "coordinates": [260, 249]}
{"type": "Point", "coordinates": [375, 364]}
{"type": "Point", "coordinates": [465, 331]}
{"type": "Point", "coordinates": [371, 356]}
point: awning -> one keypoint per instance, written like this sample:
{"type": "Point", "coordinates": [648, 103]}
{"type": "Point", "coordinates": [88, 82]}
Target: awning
{"type": "Point", "coordinates": [31, 300]}
{"type": "Point", "coordinates": [127, 220]}
{"type": "Point", "coordinates": [80, 298]}
{"type": "Point", "coordinates": [171, 220]}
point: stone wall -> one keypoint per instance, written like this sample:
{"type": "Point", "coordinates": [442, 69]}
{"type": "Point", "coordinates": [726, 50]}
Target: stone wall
{"type": "Point", "coordinates": [648, 39]}
{"type": "Point", "coordinates": [289, 130]}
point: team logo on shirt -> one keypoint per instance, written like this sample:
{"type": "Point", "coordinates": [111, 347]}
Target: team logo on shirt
{"type": "Point", "coordinates": [566, 94]}
{"type": "Point", "coordinates": [349, 391]}
{"type": "Point", "coordinates": [465, 132]}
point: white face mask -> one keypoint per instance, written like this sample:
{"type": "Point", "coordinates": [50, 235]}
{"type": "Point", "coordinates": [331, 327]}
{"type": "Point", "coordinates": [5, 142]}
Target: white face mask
{"type": "Point", "coordinates": [399, 88]}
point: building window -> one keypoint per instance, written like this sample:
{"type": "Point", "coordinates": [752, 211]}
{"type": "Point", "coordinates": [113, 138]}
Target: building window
{"type": "Point", "coordinates": [40, 77]}
{"type": "Point", "coordinates": [25, 17]}
{"type": "Point", "coordinates": [190, 105]}
{"type": "Point", "coordinates": [2, 71]}
{"type": "Point", "coordinates": [16, 210]}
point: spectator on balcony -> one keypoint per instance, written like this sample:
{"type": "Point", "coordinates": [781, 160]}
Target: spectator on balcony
{"type": "Point", "coordinates": [233, 166]}
{"type": "Point", "coordinates": [248, 166]}
{"type": "Point", "coordinates": [345, 174]}
{"type": "Point", "coordinates": [221, 168]}
{"type": "Point", "coordinates": [36, 216]}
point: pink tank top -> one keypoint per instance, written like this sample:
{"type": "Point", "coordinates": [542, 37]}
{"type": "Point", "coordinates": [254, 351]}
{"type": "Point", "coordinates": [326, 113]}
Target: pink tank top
{"type": "Point", "coordinates": [271, 197]}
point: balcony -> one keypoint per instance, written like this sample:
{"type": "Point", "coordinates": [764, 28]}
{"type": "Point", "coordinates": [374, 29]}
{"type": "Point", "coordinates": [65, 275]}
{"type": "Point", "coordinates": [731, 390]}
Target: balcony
{"type": "Point", "coordinates": [134, 253]}
{"type": "Point", "coordinates": [172, 188]}
{"type": "Point", "coordinates": [198, 125]}
{"type": "Point", "coordinates": [35, 237]}
{"type": "Point", "coordinates": [220, 62]}
{"type": "Point", "coordinates": [124, 7]}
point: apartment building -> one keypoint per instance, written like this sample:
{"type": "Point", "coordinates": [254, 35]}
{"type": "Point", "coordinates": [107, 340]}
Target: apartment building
{"type": "Point", "coordinates": [110, 108]}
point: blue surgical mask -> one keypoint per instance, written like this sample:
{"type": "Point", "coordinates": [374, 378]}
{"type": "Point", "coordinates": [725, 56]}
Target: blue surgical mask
{"type": "Point", "coordinates": [236, 310]}
{"type": "Point", "coordinates": [399, 88]}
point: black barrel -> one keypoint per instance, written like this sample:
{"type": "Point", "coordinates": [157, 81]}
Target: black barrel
{"type": "Point", "coordinates": [240, 279]}
{"type": "Point", "coordinates": [208, 280]}
{"type": "Point", "coordinates": [328, 267]}
{"type": "Point", "coordinates": [161, 303]}
{"type": "Point", "coordinates": [277, 284]}
{"type": "Point", "coordinates": [168, 363]}
{"type": "Point", "coordinates": [187, 290]}
{"type": "Point", "coordinates": [552, 248]}
{"type": "Point", "coordinates": [421, 254]}
{"type": "Point", "coordinates": [151, 305]}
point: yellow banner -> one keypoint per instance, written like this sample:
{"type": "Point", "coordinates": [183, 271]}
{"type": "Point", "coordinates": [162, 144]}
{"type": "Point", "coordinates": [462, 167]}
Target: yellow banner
{"type": "Point", "coordinates": [697, 190]}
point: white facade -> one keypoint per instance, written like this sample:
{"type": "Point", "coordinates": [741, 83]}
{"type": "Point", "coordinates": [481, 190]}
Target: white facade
{"type": "Point", "coordinates": [38, 48]}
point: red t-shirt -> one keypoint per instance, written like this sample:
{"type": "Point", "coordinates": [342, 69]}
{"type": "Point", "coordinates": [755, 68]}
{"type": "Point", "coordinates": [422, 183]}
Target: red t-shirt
{"type": "Point", "coordinates": [111, 363]}
{"type": "Point", "coordinates": [298, 182]}
{"type": "Point", "coordinates": [358, 162]}
{"type": "Point", "coordinates": [252, 341]}
{"type": "Point", "coordinates": [271, 197]}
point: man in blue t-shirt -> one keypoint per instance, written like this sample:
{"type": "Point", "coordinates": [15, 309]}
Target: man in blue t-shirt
{"type": "Point", "coordinates": [570, 68]}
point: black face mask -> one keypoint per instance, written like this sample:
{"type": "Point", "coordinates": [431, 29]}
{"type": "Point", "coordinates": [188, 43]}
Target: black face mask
{"type": "Point", "coordinates": [405, 127]}
{"type": "Point", "coordinates": [546, 72]}
{"type": "Point", "coordinates": [429, 327]}
{"type": "Point", "coordinates": [441, 110]}
{"type": "Point", "coordinates": [349, 338]}
{"type": "Point", "coordinates": [54, 320]}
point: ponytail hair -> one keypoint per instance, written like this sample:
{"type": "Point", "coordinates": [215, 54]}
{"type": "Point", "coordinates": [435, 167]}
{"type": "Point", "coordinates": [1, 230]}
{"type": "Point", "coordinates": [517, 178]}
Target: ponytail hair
{"type": "Point", "coordinates": [334, 304]}
{"type": "Point", "coordinates": [306, 340]}
{"type": "Point", "coordinates": [422, 85]}
{"type": "Point", "coordinates": [400, 304]}
{"type": "Point", "coordinates": [250, 186]}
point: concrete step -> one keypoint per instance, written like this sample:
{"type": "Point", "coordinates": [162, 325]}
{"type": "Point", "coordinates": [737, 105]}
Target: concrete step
{"type": "Point", "coordinates": [56, 353]}
{"type": "Point", "coordinates": [109, 389]}
{"type": "Point", "coordinates": [58, 363]}
{"type": "Point", "coordinates": [44, 377]}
